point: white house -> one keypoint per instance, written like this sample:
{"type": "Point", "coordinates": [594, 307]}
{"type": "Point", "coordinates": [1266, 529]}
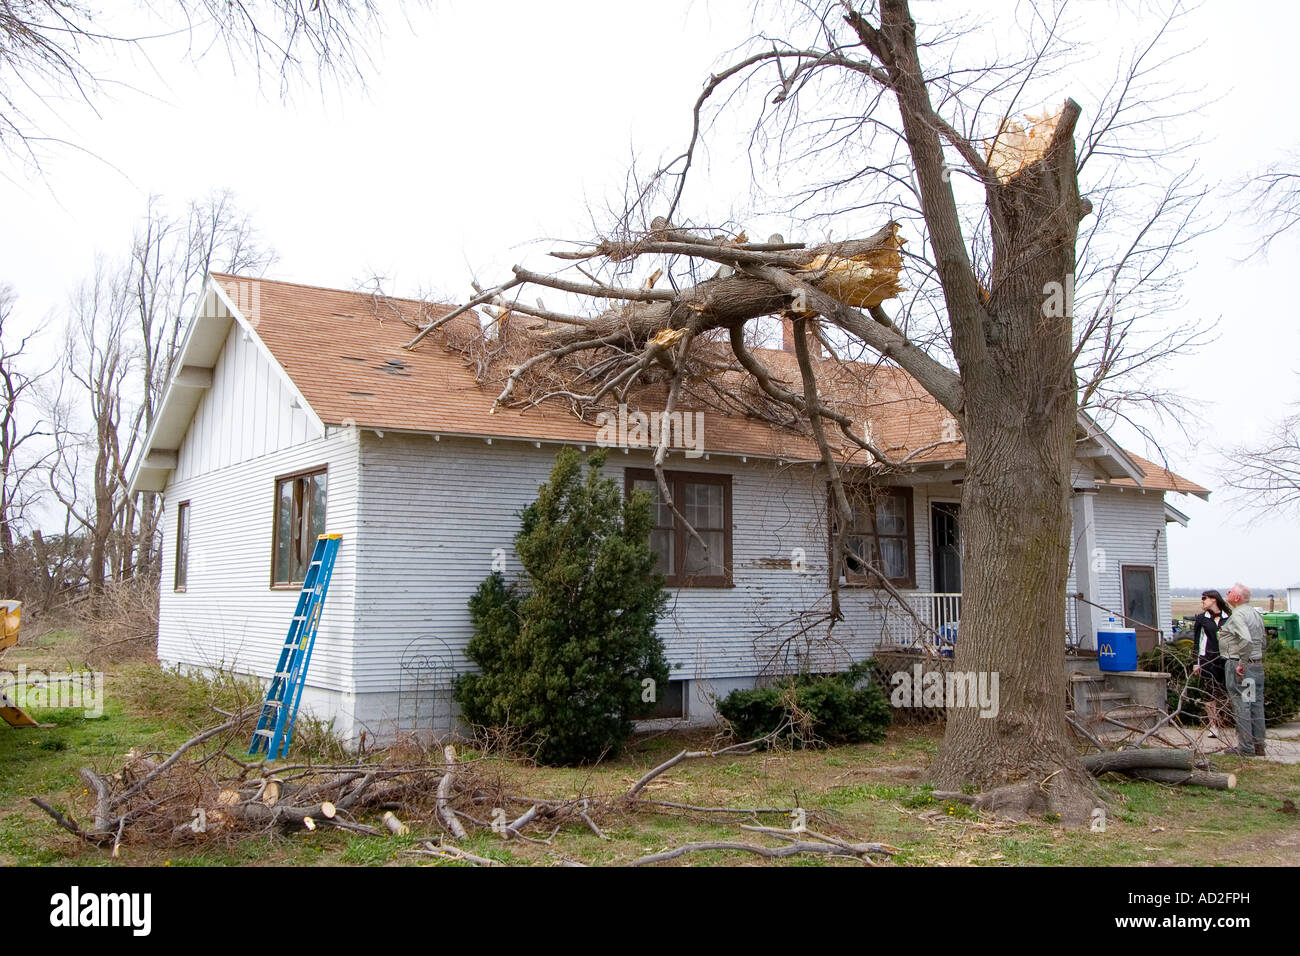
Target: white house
{"type": "Point", "coordinates": [295, 410]}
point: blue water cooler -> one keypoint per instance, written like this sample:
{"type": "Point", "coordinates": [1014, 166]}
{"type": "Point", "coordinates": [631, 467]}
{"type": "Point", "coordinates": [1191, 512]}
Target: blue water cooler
{"type": "Point", "coordinates": [1117, 648]}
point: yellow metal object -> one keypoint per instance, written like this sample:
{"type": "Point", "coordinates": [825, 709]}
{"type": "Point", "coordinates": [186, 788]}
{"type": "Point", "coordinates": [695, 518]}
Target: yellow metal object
{"type": "Point", "coordinates": [12, 613]}
{"type": "Point", "coordinates": [14, 716]}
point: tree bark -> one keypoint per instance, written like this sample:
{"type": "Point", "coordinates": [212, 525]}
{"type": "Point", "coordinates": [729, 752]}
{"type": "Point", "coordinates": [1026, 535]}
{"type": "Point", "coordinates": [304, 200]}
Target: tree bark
{"type": "Point", "coordinates": [1019, 422]}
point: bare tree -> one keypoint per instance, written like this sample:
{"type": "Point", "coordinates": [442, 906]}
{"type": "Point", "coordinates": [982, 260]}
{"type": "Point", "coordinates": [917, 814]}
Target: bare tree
{"type": "Point", "coordinates": [1276, 191]}
{"type": "Point", "coordinates": [22, 452]}
{"type": "Point", "coordinates": [51, 49]}
{"type": "Point", "coordinates": [990, 209]}
{"type": "Point", "coordinates": [88, 474]}
{"type": "Point", "coordinates": [1266, 476]}
{"type": "Point", "coordinates": [170, 259]}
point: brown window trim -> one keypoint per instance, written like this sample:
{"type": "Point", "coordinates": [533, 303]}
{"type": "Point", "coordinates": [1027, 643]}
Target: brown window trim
{"type": "Point", "coordinates": [182, 509]}
{"type": "Point", "coordinates": [275, 525]}
{"type": "Point", "coordinates": [852, 579]}
{"type": "Point", "coordinates": [674, 478]}
{"type": "Point", "coordinates": [1148, 634]}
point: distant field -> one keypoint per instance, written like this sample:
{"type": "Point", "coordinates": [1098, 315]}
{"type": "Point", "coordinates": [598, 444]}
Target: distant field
{"type": "Point", "coordinates": [1182, 605]}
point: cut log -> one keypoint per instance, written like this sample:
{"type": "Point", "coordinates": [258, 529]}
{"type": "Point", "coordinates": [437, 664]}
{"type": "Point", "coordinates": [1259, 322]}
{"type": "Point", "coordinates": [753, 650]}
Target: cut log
{"type": "Point", "coordinates": [1188, 778]}
{"type": "Point", "coordinates": [1124, 760]}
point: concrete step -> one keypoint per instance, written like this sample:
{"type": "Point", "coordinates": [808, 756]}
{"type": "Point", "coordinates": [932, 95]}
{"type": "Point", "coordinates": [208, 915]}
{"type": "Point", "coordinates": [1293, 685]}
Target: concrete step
{"type": "Point", "coordinates": [1134, 716]}
{"type": "Point", "coordinates": [1091, 705]}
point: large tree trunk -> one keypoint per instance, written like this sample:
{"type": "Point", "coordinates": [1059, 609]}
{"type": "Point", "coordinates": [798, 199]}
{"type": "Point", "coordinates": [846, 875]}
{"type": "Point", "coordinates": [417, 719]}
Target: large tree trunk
{"type": "Point", "coordinates": [1019, 421]}
{"type": "Point", "coordinates": [1016, 539]}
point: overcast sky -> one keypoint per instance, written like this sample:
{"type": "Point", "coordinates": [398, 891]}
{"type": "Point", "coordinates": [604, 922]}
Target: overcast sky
{"type": "Point", "coordinates": [483, 128]}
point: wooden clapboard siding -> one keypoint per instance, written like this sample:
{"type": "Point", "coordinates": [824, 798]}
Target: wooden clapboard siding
{"type": "Point", "coordinates": [245, 433]}
{"type": "Point", "coordinates": [1131, 530]}
{"type": "Point", "coordinates": [247, 413]}
{"type": "Point", "coordinates": [433, 512]}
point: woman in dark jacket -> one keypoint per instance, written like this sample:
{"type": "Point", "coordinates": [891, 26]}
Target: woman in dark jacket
{"type": "Point", "coordinates": [1209, 665]}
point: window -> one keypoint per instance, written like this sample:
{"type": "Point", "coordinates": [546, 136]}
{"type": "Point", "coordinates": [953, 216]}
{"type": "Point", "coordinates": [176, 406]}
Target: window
{"type": "Point", "coordinates": [881, 534]}
{"type": "Point", "coordinates": [670, 703]}
{"type": "Point", "coordinates": [299, 520]}
{"type": "Point", "coordinates": [182, 545]}
{"type": "Point", "coordinates": [705, 502]}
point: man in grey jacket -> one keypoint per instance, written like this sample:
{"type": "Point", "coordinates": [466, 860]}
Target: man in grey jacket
{"type": "Point", "coordinates": [1241, 644]}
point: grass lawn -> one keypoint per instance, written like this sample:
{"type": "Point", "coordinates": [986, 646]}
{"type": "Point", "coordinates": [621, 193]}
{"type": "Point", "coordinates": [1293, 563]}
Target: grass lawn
{"type": "Point", "coordinates": [865, 793]}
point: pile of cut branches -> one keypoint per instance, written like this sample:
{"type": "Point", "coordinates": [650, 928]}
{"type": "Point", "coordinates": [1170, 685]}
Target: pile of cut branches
{"type": "Point", "coordinates": [202, 792]}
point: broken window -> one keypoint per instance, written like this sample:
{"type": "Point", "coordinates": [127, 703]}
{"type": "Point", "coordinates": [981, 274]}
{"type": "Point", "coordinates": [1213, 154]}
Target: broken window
{"type": "Point", "coordinates": [703, 559]}
{"type": "Point", "coordinates": [299, 521]}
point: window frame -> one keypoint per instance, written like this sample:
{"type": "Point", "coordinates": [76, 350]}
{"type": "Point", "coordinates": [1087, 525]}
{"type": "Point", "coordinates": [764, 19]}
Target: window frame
{"type": "Point", "coordinates": [184, 524]}
{"type": "Point", "coordinates": [677, 481]}
{"type": "Point", "coordinates": [275, 516]}
{"type": "Point", "coordinates": [1147, 634]}
{"type": "Point", "coordinates": [853, 579]}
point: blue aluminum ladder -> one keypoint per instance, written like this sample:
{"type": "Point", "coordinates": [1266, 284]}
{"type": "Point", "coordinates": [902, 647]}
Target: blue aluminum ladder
{"type": "Point", "coordinates": [274, 730]}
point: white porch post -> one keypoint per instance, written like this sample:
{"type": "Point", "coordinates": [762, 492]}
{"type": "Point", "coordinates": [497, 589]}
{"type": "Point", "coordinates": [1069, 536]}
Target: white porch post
{"type": "Point", "coordinates": [1086, 559]}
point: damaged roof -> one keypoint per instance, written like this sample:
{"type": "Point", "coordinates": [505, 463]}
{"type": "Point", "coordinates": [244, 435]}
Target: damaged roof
{"type": "Point", "coordinates": [343, 353]}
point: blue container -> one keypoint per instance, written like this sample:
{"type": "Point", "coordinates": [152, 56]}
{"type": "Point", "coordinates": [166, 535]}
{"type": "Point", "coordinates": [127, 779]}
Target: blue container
{"type": "Point", "coordinates": [1117, 648]}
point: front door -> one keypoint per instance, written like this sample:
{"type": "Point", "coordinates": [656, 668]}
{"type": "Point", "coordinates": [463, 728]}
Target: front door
{"type": "Point", "coordinates": [1140, 603]}
{"type": "Point", "coordinates": [945, 558]}
{"type": "Point", "coordinates": [945, 546]}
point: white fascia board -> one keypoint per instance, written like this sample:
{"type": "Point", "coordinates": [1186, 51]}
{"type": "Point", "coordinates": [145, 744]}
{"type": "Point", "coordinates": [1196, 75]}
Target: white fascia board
{"type": "Point", "coordinates": [1109, 448]}
{"type": "Point", "coordinates": [201, 308]}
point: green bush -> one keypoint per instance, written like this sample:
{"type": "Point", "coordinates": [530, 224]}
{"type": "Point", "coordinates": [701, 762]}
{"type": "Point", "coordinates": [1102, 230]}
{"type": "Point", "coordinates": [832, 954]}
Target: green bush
{"type": "Point", "coordinates": [845, 708]}
{"type": "Point", "coordinates": [563, 652]}
{"type": "Point", "coordinates": [1178, 659]}
{"type": "Point", "coordinates": [1281, 681]}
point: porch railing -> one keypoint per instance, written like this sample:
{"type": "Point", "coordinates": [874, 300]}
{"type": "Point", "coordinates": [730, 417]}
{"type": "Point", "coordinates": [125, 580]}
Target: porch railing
{"type": "Point", "coordinates": [938, 612]}
{"type": "Point", "coordinates": [941, 612]}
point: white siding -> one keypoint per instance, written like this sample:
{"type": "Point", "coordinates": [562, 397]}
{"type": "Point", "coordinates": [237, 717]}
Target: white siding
{"type": "Point", "coordinates": [420, 520]}
{"type": "Point", "coordinates": [1131, 530]}
{"type": "Point", "coordinates": [434, 511]}
{"type": "Point", "coordinates": [246, 414]}
{"type": "Point", "coordinates": [229, 616]}
{"type": "Point", "coordinates": [246, 432]}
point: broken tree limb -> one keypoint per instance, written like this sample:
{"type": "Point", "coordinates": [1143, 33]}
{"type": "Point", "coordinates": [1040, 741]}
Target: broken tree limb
{"type": "Point", "coordinates": [780, 852]}
{"type": "Point", "coordinates": [1084, 731]}
{"type": "Point", "coordinates": [747, 747]}
{"type": "Point", "coordinates": [71, 825]}
{"type": "Point", "coordinates": [105, 821]}
{"type": "Point", "coordinates": [453, 853]}
{"type": "Point", "coordinates": [480, 299]}
{"type": "Point", "coordinates": [445, 786]}
{"type": "Point", "coordinates": [177, 754]}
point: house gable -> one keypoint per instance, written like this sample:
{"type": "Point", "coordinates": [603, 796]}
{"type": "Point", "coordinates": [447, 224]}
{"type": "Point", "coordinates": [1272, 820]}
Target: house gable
{"type": "Point", "coordinates": [228, 399]}
{"type": "Point", "coordinates": [249, 411]}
